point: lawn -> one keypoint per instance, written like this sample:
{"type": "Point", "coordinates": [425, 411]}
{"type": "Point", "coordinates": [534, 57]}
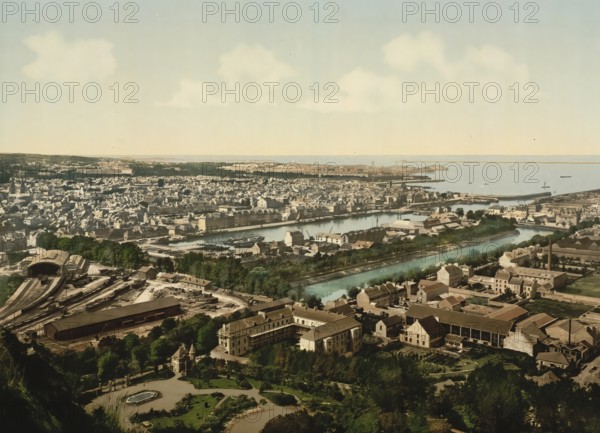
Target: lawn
{"type": "Point", "coordinates": [563, 310]}
{"type": "Point", "coordinates": [202, 406]}
{"type": "Point", "coordinates": [221, 382]}
{"type": "Point", "coordinates": [441, 364]}
{"type": "Point", "coordinates": [300, 395]}
{"type": "Point", "coordinates": [477, 300]}
{"type": "Point", "coordinates": [586, 286]}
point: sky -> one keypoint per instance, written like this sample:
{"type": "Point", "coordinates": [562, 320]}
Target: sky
{"type": "Point", "coordinates": [300, 78]}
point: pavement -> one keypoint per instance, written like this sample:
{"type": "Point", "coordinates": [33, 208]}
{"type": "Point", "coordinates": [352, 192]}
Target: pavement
{"type": "Point", "coordinates": [173, 390]}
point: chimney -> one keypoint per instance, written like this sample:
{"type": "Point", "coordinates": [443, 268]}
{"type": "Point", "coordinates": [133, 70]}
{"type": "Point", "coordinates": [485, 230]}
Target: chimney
{"type": "Point", "coordinates": [569, 332]}
{"type": "Point", "coordinates": [550, 255]}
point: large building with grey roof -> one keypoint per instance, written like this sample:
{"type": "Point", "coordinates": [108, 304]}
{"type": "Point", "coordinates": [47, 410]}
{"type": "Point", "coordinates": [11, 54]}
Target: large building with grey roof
{"type": "Point", "coordinates": [100, 322]}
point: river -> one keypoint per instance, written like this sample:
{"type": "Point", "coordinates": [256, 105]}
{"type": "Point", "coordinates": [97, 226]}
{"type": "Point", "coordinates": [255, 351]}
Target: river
{"type": "Point", "coordinates": [333, 289]}
{"type": "Point", "coordinates": [339, 225]}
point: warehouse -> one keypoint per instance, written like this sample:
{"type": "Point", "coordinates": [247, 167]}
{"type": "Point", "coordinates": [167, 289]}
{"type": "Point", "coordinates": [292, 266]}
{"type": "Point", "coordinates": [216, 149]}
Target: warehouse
{"type": "Point", "coordinates": [96, 323]}
{"type": "Point", "coordinates": [475, 329]}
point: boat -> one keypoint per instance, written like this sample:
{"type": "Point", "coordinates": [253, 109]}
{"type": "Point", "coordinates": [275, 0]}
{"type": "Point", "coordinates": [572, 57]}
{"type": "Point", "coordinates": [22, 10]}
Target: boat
{"type": "Point", "coordinates": [566, 177]}
{"type": "Point", "coordinates": [245, 242]}
{"type": "Point", "coordinates": [545, 186]}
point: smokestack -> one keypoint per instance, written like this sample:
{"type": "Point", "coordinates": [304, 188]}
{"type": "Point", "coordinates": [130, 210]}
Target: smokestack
{"type": "Point", "coordinates": [550, 255]}
{"type": "Point", "coordinates": [569, 332]}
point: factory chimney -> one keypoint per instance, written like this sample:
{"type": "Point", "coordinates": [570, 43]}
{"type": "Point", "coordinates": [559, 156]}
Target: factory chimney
{"type": "Point", "coordinates": [550, 254]}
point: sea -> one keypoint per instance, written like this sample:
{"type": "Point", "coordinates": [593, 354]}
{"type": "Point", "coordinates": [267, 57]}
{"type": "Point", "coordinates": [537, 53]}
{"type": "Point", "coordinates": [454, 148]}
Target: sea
{"type": "Point", "coordinates": [490, 174]}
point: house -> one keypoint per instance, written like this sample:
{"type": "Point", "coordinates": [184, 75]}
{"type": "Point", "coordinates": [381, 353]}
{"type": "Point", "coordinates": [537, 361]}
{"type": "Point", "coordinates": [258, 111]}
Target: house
{"type": "Point", "coordinates": [450, 275]}
{"type": "Point", "coordinates": [454, 303]}
{"type": "Point", "coordinates": [509, 312]}
{"type": "Point", "coordinates": [551, 360]}
{"type": "Point", "coordinates": [571, 331]}
{"type": "Point", "coordinates": [380, 296]}
{"type": "Point", "coordinates": [341, 337]}
{"type": "Point", "coordinates": [293, 238]}
{"type": "Point", "coordinates": [183, 359]}
{"type": "Point", "coordinates": [281, 320]}
{"type": "Point", "coordinates": [517, 257]}
{"type": "Point", "coordinates": [389, 327]}
{"type": "Point", "coordinates": [527, 340]}
{"type": "Point", "coordinates": [147, 273]}
{"type": "Point", "coordinates": [430, 290]}
{"type": "Point", "coordinates": [426, 332]}
{"type": "Point", "coordinates": [474, 328]}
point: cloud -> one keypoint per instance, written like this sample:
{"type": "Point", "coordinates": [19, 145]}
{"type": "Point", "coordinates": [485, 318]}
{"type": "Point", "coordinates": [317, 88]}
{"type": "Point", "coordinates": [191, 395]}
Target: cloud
{"type": "Point", "coordinates": [362, 90]}
{"type": "Point", "coordinates": [61, 60]}
{"type": "Point", "coordinates": [421, 58]}
{"type": "Point", "coordinates": [407, 52]}
{"type": "Point", "coordinates": [426, 53]}
{"type": "Point", "coordinates": [244, 64]}
{"type": "Point", "coordinates": [253, 63]}
{"type": "Point", "coordinates": [187, 95]}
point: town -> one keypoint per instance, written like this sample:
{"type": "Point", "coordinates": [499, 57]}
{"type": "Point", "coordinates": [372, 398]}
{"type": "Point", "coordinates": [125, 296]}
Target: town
{"type": "Point", "coordinates": [156, 263]}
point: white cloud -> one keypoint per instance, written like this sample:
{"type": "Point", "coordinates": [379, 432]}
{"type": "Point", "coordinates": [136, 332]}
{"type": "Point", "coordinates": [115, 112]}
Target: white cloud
{"type": "Point", "coordinates": [407, 52]}
{"type": "Point", "coordinates": [253, 63]}
{"type": "Point", "coordinates": [362, 91]}
{"type": "Point", "coordinates": [61, 60]}
{"type": "Point", "coordinates": [187, 95]}
{"type": "Point", "coordinates": [426, 53]}
{"type": "Point", "coordinates": [244, 64]}
{"type": "Point", "coordinates": [422, 59]}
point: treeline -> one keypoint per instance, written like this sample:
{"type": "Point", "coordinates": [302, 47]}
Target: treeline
{"type": "Point", "coordinates": [109, 253]}
{"type": "Point", "coordinates": [117, 357]}
{"type": "Point", "coordinates": [268, 277]}
{"type": "Point", "coordinates": [391, 393]}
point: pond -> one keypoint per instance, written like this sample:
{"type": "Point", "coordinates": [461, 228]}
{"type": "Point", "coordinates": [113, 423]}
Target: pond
{"type": "Point", "coordinates": [141, 397]}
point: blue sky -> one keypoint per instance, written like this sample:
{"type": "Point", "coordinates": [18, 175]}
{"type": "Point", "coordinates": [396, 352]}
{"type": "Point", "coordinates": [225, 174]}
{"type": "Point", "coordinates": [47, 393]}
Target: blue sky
{"type": "Point", "coordinates": [378, 64]}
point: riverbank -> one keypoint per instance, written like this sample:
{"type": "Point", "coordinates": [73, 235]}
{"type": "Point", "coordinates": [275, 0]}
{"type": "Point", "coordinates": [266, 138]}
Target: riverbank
{"type": "Point", "coordinates": [396, 259]}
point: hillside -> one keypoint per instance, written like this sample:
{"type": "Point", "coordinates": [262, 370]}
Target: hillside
{"type": "Point", "coordinates": [35, 396]}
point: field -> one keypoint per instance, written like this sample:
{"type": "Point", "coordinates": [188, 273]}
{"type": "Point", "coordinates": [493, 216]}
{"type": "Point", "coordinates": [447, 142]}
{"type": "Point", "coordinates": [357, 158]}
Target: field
{"type": "Point", "coordinates": [586, 286]}
{"type": "Point", "coordinates": [563, 310]}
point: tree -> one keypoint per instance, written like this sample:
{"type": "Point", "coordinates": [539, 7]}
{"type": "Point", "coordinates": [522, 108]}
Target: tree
{"type": "Point", "coordinates": [298, 422]}
{"type": "Point", "coordinates": [141, 354]}
{"type": "Point", "coordinates": [366, 423]}
{"type": "Point", "coordinates": [460, 212]}
{"type": "Point", "coordinates": [46, 240]}
{"type": "Point", "coordinates": [353, 292]}
{"type": "Point", "coordinates": [207, 338]}
{"type": "Point", "coordinates": [107, 366]}
{"type": "Point", "coordinates": [313, 302]}
{"type": "Point", "coordinates": [168, 324]}
{"type": "Point", "coordinates": [161, 349]}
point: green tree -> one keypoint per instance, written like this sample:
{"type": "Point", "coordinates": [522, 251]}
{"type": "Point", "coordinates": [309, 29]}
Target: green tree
{"type": "Point", "coordinates": [365, 423]}
{"type": "Point", "coordinates": [207, 338]}
{"type": "Point", "coordinates": [141, 355]}
{"type": "Point", "coordinates": [161, 349]}
{"type": "Point", "coordinates": [107, 366]}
